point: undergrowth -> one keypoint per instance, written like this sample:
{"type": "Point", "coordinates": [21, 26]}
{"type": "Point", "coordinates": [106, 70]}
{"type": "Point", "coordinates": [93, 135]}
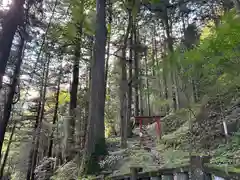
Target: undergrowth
{"type": "Point", "coordinates": [228, 153]}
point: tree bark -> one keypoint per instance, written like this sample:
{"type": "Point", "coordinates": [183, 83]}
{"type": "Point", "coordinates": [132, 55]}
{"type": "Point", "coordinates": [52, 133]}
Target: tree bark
{"type": "Point", "coordinates": [13, 18]}
{"type": "Point", "coordinates": [124, 86]}
{"type": "Point", "coordinates": [147, 86]}
{"type": "Point", "coordinates": [136, 70]}
{"type": "Point", "coordinates": [130, 79]}
{"type": "Point", "coordinates": [41, 116]}
{"type": "Point", "coordinates": [8, 106]}
{"type": "Point", "coordinates": [141, 93]}
{"type": "Point", "coordinates": [38, 109]}
{"type": "Point", "coordinates": [172, 89]}
{"type": "Point", "coordinates": [88, 84]}
{"type": "Point", "coordinates": [95, 144]}
{"type": "Point", "coordinates": [55, 115]}
{"type": "Point", "coordinates": [108, 48]}
{"type": "Point", "coordinates": [7, 150]}
{"type": "Point", "coordinates": [29, 171]}
{"type": "Point", "coordinates": [160, 79]}
{"type": "Point", "coordinates": [73, 103]}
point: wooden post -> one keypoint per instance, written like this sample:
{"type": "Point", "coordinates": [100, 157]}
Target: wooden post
{"type": "Point", "coordinates": [181, 176]}
{"type": "Point", "coordinates": [141, 134]}
{"type": "Point", "coordinates": [158, 128]}
{"type": "Point", "coordinates": [168, 177]}
{"type": "Point", "coordinates": [134, 172]}
{"type": "Point", "coordinates": [196, 166]}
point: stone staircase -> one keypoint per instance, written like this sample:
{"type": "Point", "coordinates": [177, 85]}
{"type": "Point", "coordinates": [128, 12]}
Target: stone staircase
{"type": "Point", "coordinates": [148, 143]}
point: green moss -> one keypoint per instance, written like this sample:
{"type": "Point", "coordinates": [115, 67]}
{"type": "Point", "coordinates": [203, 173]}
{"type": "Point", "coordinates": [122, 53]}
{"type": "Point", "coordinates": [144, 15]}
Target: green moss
{"type": "Point", "coordinates": [172, 122]}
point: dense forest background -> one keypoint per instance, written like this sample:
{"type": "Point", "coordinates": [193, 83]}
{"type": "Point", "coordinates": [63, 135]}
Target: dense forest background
{"type": "Point", "coordinates": [74, 73]}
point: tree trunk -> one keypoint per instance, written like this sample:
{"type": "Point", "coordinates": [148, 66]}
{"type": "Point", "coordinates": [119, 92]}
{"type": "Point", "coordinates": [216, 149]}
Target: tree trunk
{"type": "Point", "coordinates": [9, 26]}
{"type": "Point", "coordinates": [41, 116]}
{"type": "Point", "coordinates": [227, 5]}
{"type": "Point", "coordinates": [124, 86]}
{"type": "Point", "coordinates": [8, 104]}
{"type": "Point", "coordinates": [130, 79]}
{"type": "Point", "coordinates": [160, 79]}
{"type": "Point", "coordinates": [7, 150]}
{"type": "Point", "coordinates": [237, 5]}
{"type": "Point", "coordinates": [170, 49]}
{"type": "Point", "coordinates": [176, 89]}
{"type": "Point", "coordinates": [29, 171]}
{"type": "Point", "coordinates": [88, 84]}
{"type": "Point", "coordinates": [71, 140]}
{"type": "Point", "coordinates": [141, 96]}
{"type": "Point", "coordinates": [154, 53]}
{"type": "Point", "coordinates": [55, 115]}
{"type": "Point", "coordinates": [108, 48]}
{"type": "Point", "coordinates": [136, 70]}
{"type": "Point", "coordinates": [95, 144]}
{"type": "Point", "coordinates": [38, 110]}
{"type": "Point", "coordinates": [123, 103]}
{"type": "Point", "coordinates": [147, 86]}
{"type": "Point", "coordinates": [73, 103]}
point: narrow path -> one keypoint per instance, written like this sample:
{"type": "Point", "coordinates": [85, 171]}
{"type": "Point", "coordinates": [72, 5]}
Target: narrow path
{"type": "Point", "coordinates": [149, 144]}
{"type": "Point", "coordinates": [119, 159]}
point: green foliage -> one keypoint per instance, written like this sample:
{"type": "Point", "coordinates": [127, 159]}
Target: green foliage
{"type": "Point", "coordinates": [228, 153]}
{"type": "Point", "coordinates": [64, 97]}
{"type": "Point", "coordinates": [173, 121]}
{"type": "Point", "coordinates": [219, 50]}
{"type": "Point", "coordinates": [68, 31]}
{"type": "Point", "coordinates": [214, 62]}
{"type": "Point", "coordinates": [109, 129]}
{"type": "Point", "coordinates": [178, 137]}
{"type": "Point", "coordinates": [174, 158]}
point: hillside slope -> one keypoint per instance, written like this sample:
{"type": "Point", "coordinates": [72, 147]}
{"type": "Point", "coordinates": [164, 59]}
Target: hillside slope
{"type": "Point", "coordinates": [207, 137]}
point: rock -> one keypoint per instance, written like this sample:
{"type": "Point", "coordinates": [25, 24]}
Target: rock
{"type": "Point", "coordinates": [45, 169]}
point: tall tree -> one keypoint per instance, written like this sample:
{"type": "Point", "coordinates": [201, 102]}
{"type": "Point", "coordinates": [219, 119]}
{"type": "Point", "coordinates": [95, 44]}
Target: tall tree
{"type": "Point", "coordinates": [136, 68]}
{"type": "Point", "coordinates": [124, 85]}
{"type": "Point", "coordinates": [130, 83]}
{"type": "Point", "coordinates": [8, 105]}
{"type": "Point", "coordinates": [95, 143]}
{"type": "Point", "coordinates": [12, 19]}
{"type": "Point", "coordinates": [55, 115]}
{"type": "Point", "coordinates": [147, 84]}
{"type": "Point", "coordinates": [73, 100]}
{"type": "Point", "coordinates": [41, 116]}
{"type": "Point", "coordinates": [110, 14]}
{"type": "Point", "coordinates": [4, 162]}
